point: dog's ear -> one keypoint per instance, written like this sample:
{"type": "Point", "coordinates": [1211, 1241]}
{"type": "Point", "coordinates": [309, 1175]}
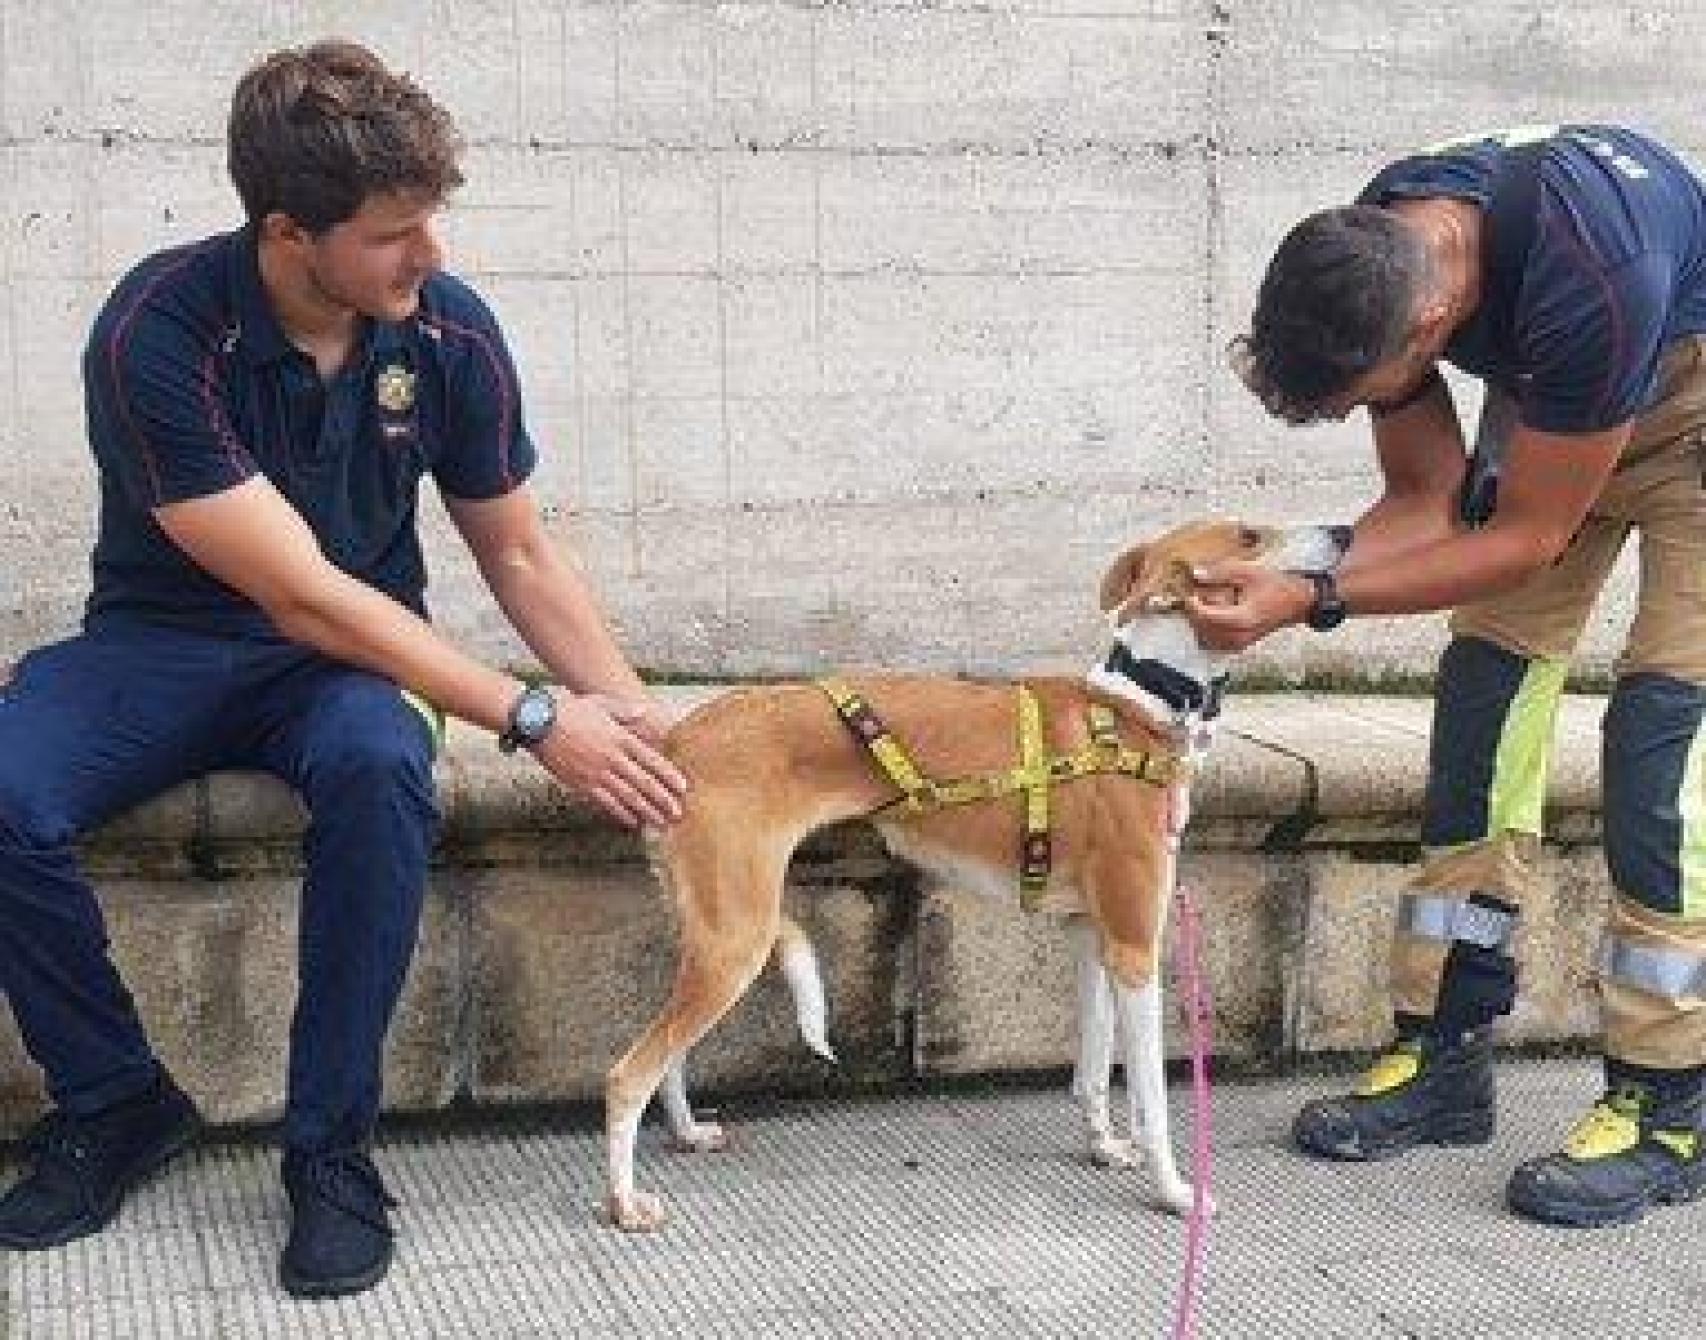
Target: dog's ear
{"type": "Point", "coordinates": [1143, 580]}
{"type": "Point", "coordinates": [1121, 577]}
{"type": "Point", "coordinates": [1172, 586]}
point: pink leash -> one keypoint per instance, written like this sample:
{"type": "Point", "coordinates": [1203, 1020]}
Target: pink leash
{"type": "Point", "coordinates": [1188, 968]}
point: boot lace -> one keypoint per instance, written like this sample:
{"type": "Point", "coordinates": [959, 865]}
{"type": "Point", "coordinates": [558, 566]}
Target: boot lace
{"type": "Point", "coordinates": [347, 1179]}
{"type": "Point", "coordinates": [58, 1137]}
{"type": "Point", "coordinates": [61, 1146]}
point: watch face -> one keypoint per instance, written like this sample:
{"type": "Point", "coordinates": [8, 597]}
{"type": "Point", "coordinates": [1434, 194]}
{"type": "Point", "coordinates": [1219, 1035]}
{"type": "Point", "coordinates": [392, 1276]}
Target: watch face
{"type": "Point", "coordinates": [534, 715]}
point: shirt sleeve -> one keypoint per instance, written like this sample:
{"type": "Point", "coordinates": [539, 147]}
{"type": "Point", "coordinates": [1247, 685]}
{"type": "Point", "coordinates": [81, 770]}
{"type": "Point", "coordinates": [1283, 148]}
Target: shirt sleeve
{"type": "Point", "coordinates": [488, 451]}
{"type": "Point", "coordinates": [159, 422]}
{"type": "Point", "coordinates": [1591, 341]}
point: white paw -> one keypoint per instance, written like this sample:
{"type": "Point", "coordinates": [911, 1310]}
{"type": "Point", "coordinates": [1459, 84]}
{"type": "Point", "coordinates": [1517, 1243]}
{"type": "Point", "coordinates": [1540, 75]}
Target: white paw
{"type": "Point", "coordinates": [1176, 1197]}
{"type": "Point", "coordinates": [702, 1137]}
{"type": "Point", "coordinates": [1108, 1151]}
{"type": "Point", "coordinates": [637, 1212]}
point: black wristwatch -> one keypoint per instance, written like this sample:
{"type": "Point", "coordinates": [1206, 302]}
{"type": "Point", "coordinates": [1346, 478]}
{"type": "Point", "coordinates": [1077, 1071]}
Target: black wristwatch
{"type": "Point", "coordinates": [1327, 611]}
{"type": "Point", "coordinates": [530, 720]}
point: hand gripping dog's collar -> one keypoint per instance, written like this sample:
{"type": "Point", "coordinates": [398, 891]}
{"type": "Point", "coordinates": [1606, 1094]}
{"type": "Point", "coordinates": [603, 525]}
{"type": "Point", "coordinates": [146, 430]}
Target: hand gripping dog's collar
{"type": "Point", "coordinates": [1036, 771]}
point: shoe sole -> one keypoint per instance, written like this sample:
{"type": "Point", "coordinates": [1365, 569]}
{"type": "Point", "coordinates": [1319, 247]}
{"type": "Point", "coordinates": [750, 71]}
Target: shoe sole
{"type": "Point", "coordinates": [1579, 1215]}
{"type": "Point", "coordinates": [1456, 1133]}
{"type": "Point", "coordinates": [301, 1286]}
{"type": "Point", "coordinates": [145, 1168]}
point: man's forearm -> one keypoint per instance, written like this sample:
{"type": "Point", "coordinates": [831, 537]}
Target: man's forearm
{"type": "Point", "coordinates": [1443, 573]}
{"type": "Point", "coordinates": [1422, 462]}
{"type": "Point", "coordinates": [351, 622]}
{"type": "Point", "coordinates": [1396, 526]}
{"type": "Point", "coordinates": [551, 606]}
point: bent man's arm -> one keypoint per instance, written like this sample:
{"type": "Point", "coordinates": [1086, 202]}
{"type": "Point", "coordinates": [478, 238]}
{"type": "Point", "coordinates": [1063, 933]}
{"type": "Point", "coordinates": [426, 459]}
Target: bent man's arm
{"type": "Point", "coordinates": [1422, 461]}
{"type": "Point", "coordinates": [254, 541]}
{"type": "Point", "coordinates": [250, 538]}
{"type": "Point", "coordinates": [549, 602]}
{"type": "Point", "coordinates": [551, 605]}
{"type": "Point", "coordinates": [544, 596]}
{"type": "Point", "coordinates": [1548, 483]}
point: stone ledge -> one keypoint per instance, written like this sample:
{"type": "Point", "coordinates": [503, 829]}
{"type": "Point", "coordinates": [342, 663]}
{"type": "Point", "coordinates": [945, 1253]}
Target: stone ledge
{"type": "Point", "coordinates": [546, 943]}
{"type": "Point", "coordinates": [1323, 767]}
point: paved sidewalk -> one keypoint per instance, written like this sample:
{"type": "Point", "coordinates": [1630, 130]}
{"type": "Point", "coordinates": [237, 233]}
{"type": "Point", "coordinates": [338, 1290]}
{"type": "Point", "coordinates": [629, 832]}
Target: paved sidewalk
{"type": "Point", "coordinates": [952, 1215]}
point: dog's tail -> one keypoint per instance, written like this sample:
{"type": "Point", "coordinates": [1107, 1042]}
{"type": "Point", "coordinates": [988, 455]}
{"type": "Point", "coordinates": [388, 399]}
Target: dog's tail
{"type": "Point", "coordinates": [799, 966]}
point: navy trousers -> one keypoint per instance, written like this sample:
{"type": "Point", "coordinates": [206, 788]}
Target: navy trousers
{"type": "Point", "coordinates": [91, 726]}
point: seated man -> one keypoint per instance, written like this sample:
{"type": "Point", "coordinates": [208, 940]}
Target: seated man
{"type": "Point", "coordinates": [262, 407]}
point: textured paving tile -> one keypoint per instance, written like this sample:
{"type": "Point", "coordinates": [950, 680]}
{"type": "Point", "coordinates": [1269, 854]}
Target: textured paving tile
{"type": "Point", "coordinates": [953, 1215]}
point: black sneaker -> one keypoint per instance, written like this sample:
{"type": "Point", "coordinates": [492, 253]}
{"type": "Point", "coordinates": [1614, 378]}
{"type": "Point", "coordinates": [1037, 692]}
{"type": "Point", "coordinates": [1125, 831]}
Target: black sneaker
{"type": "Point", "coordinates": [340, 1230]}
{"type": "Point", "coordinates": [83, 1166]}
{"type": "Point", "coordinates": [1423, 1091]}
{"type": "Point", "coordinates": [1631, 1151]}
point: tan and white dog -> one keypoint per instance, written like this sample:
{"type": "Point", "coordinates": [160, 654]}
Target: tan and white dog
{"type": "Point", "coordinates": [770, 765]}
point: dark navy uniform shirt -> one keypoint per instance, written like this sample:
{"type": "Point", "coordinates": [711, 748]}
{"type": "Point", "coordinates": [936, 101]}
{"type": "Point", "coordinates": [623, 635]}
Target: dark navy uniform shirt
{"type": "Point", "coordinates": [191, 388]}
{"type": "Point", "coordinates": [1607, 265]}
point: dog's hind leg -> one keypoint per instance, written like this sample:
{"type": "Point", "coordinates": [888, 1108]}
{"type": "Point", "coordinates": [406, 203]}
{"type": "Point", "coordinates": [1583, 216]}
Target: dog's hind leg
{"type": "Point", "coordinates": [710, 979]}
{"type": "Point", "coordinates": [1093, 1068]}
{"type": "Point", "coordinates": [730, 913]}
{"type": "Point", "coordinates": [691, 1136]}
{"type": "Point", "coordinates": [798, 961]}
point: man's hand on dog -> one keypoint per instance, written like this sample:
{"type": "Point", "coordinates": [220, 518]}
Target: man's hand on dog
{"type": "Point", "coordinates": [1236, 604]}
{"type": "Point", "coordinates": [653, 719]}
{"type": "Point", "coordinates": [607, 749]}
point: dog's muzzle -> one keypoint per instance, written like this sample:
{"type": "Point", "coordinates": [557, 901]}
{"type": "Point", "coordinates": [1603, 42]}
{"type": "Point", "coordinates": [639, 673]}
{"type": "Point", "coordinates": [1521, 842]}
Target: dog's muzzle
{"type": "Point", "coordinates": [1315, 548]}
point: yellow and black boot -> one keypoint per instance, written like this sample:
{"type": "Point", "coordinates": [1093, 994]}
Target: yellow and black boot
{"type": "Point", "coordinates": [1434, 1086]}
{"type": "Point", "coordinates": [1641, 1145]}
{"type": "Point", "coordinates": [1423, 1091]}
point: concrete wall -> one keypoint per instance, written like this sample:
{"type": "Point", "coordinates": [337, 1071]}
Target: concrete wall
{"type": "Point", "coordinates": [861, 332]}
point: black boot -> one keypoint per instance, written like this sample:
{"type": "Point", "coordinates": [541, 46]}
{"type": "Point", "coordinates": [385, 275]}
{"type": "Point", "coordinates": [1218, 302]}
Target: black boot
{"type": "Point", "coordinates": [1423, 1091]}
{"type": "Point", "coordinates": [83, 1166]}
{"type": "Point", "coordinates": [340, 1227]}
{"type": "Point", "coordinates": [1640, 1145]}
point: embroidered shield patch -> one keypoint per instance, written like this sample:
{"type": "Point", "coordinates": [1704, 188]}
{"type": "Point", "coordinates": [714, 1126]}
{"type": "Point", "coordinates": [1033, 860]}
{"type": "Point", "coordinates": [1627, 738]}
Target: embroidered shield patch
{"type": "Point", "coordinates": [394, 388]}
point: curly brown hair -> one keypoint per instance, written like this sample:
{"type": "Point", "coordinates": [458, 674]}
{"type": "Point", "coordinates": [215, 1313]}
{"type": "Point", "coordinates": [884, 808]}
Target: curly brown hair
{"type": "Point", "coordinates": [1337, 300]}
{"type": "Point", "coordinates": [316, 130]}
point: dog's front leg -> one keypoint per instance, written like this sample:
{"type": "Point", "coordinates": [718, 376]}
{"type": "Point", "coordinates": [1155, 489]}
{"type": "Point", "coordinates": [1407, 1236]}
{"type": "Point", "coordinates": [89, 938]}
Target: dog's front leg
{"type": "Point", "coordinates": [1092, 1071]}
{"type": "Point", "coordinates": [1146, 1082]}
{"type": "Point", "coordinates": [690, 1135]}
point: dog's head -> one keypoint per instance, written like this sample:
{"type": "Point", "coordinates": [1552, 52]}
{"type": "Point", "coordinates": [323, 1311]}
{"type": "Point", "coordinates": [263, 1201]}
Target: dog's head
{"type": "Point", "coordinates": [1155, 577]}
{"type": "Point", "coordinates": [1156, 660]}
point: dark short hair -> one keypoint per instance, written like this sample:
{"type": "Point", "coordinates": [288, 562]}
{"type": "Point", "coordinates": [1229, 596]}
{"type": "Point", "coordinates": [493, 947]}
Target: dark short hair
{"type": "Point", "coordinates": [1338, 298]}
{"type": "Point", "coordinates": [316, 130]}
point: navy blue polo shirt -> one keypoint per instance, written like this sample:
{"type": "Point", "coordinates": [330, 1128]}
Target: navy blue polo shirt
{"type": "Point", "coordinates": [1608, 266]}
{"type": "Point", "coordinates": [191, 388]}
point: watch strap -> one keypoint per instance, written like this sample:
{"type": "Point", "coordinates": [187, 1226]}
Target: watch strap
{"type": "Point", "coordinates": [1327, 611]}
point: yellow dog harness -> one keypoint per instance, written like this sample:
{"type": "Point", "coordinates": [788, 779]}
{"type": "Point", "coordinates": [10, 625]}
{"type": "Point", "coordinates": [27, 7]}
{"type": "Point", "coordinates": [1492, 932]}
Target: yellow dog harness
{"type": "Point", "coordinates": [1036, 771]}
